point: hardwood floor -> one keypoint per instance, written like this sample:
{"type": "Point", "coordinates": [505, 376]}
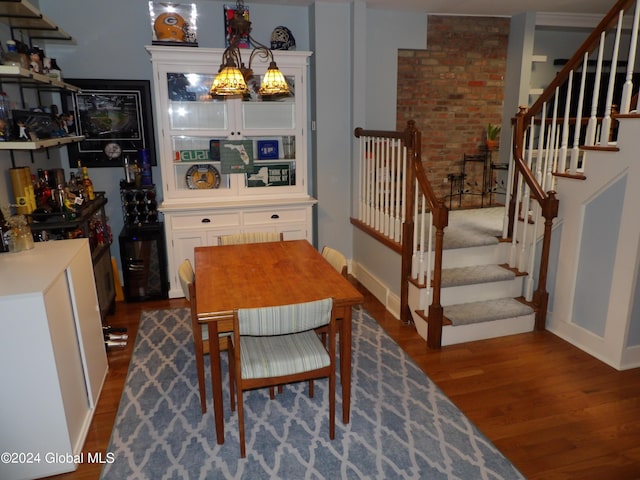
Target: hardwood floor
{"type": "Point", "coordinates": [553, 410]}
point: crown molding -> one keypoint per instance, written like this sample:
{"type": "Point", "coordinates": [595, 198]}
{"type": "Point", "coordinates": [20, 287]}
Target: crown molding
{"type": "Point", "coordinates": [564, 20]}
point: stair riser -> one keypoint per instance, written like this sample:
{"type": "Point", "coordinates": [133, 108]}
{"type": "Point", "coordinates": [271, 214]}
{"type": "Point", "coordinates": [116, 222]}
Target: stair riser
{"type": "Point", "coordinates": [481, 291]}
{"type": "Point", "coordinates": [486, 255]}
{"type": "Point", "coordinates": [479, 331]}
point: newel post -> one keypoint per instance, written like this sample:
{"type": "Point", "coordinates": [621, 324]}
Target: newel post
{"type": "Point", "coordinates": [541, 296]}
{"type": "Point", "coordinates": [518, 149]}
{"type": "Point", "coordinates": [435, 316]}
{"type": "Point", "coordinates": [412, 141]}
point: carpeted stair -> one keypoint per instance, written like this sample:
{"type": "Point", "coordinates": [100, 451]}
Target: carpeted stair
{"type": "Point", "coordinates": [474, 284]}
{"type": "Point", "coordinates": [453, 277]}
{"type": "Point", "coordinates": [477, 312]}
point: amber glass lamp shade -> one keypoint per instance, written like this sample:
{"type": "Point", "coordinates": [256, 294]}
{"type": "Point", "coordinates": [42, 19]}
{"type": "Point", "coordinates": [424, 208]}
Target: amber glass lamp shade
{"type": "Point", "coordinates": [273, 82]}
{"type": "Point", "coordinates": [228, 81]}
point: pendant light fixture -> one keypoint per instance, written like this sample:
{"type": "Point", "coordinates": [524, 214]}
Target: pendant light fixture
{"type": "Point", "coordinates": [232, 76]}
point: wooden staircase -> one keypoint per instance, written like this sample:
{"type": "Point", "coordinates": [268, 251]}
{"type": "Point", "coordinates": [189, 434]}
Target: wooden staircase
{"type": "Point", "coordinates": [475, 280]}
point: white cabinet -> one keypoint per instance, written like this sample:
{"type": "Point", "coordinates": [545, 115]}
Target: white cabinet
{"type": "Point", "coordinates": [53, 356]}
{"type": "Point", "coordinates": [210, 188]}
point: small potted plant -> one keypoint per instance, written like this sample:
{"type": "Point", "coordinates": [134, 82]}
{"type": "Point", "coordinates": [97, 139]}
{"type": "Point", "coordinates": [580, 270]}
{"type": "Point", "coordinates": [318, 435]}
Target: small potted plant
{"type": "Point", "coordinates": [492, 136]}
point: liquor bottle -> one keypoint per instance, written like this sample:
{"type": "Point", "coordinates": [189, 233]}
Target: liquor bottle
{"type": "Point", "coordinates": [88, 184]}
{"type": "Point", "coordinates": [116, 336]}
{"type": "Point", "coordinates": [43, 191]}
{"type": "Point", "coordinates": [5, 126]}
{"type": "Point", "coordinates": [13, 58]}
{"type": "Point", "coordinates": [129, 173]}
{"type": "Point", "coordinates": [4, 234]}
{"type": "Point", "coordinates": [111, 344]}
{"type": "Point", "coordinates": [145, 166]}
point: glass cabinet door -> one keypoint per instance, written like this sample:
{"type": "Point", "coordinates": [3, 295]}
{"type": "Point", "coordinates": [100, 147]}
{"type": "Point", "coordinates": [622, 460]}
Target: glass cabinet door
{"type": "Point", "coordinates": [243, 146]}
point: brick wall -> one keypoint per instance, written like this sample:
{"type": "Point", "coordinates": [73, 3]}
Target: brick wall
{"type": "Point", "coordinates": [453, 89]}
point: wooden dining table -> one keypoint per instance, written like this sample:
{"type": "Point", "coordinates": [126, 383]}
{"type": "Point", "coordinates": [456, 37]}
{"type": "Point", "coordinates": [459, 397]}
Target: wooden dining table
{"type": "Point", "coordinates": [267, 274]}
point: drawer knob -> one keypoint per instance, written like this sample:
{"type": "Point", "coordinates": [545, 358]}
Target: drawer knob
{"type": "Point", "coordinates": [275, 216]}
{"type": "Point", "coordinates": [206, 220]}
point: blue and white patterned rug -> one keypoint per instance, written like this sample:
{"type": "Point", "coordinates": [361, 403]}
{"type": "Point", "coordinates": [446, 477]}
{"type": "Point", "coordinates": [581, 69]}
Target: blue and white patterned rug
{"type": "Point", "coordinates": [402, 426]}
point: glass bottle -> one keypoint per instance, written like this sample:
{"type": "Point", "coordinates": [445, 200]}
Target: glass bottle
{"type": "Point", "coordinates": [4, 234]}
{"type": "Point", "coordinates": [5, 124]}
{"type": "Point", "coordinates": [12, 57]}
{"type": "Point", "coordinates": [88, 184]}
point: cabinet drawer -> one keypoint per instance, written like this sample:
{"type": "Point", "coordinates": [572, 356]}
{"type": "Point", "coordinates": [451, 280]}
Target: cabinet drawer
{"type": "Point", "coordinates": [274, 216]}
{"type": "Point", "coordinates": [206, 220]}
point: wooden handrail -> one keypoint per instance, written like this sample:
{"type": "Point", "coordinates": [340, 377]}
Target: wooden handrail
{"type": "Point", "coordinates": [587, 46]}
{"type": "Point", "coordinates": [547, 200]}
{"type": "Point", "coordinates": [415, 175]}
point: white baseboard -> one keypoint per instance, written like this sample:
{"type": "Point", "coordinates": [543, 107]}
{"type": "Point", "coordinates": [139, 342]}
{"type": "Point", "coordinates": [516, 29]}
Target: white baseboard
{"type": "Point", "coordinates": [390, 300]}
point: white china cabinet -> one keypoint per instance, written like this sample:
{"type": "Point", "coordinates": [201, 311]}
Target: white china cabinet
{"type": "Point", "coordinates": [229, 165]}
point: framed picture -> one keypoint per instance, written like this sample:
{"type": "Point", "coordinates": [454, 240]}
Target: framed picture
{"type": "Point", "coordinates": [33, 126]}
{"type": "Point", "coordinates": [236, 156]}
{"type": "Point", "coordinates": [115, 118]}
{"type": "Point", "coordinates": [229, 13]}
{"type": "Point", "coordinates": [272, 175]}
{"type": "Point", "coordinates": [268, 150]}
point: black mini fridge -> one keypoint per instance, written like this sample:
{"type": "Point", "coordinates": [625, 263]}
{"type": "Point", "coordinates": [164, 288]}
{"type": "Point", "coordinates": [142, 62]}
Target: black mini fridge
{"type": "Point", "coordinates": [143, 257]}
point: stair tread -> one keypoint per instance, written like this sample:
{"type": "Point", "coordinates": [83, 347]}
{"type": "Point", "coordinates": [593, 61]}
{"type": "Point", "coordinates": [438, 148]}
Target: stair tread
{"type": "Point", "coordinates": [484, 311]}
{"type": "Point", "coordinates": [470, 275]}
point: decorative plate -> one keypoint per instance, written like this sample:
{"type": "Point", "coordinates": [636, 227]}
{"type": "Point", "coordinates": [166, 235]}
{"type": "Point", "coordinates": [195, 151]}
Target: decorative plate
{"type": "Point", "coordinates": [202, 177]}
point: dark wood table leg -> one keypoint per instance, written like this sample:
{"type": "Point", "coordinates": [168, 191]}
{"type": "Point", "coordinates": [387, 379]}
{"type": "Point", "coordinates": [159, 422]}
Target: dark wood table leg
{"type": "Point", "coordinates": [216, 380]}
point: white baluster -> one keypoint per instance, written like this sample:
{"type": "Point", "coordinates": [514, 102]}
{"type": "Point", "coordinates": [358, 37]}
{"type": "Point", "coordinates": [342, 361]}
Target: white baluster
{"type": "Point", "coordinates": [562, 161]}
{"type": "Point", "coordinates": [593, 119]}
{"type": "Point", "coordinates": [627, 89]}
{"type": "Point", "coordinates": [606, 121]}
{"type": "Point", "coordinates": [575, 151]}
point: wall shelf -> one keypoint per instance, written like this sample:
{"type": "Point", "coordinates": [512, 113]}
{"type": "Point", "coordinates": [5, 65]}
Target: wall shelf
{"type": "Point", "coordinates": [14, 74]}
{"type": "Point", "coordinates": [39, 144]}
{"type": "Point", "coordinates": [21, 15]}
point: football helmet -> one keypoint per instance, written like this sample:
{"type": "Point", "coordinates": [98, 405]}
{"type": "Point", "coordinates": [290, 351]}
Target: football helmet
{"type": "Point", "coordinates": [282, 39]}
{"type": "Point", "coordinates": [170, 27]}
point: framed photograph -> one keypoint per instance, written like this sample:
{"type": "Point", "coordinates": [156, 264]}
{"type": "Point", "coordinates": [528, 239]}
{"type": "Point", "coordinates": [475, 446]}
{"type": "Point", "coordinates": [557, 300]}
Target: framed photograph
{"type": "Point", "coordinates": [115, 118]}
{"type": "Point", "coordinates": [32, 126]}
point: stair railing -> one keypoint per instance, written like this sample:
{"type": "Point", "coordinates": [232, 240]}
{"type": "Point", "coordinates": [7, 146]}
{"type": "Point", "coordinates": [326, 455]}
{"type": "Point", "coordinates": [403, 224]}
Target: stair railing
{"type": "Point", "coordinates": [575, 113]}
{"type": "Point", "coordinates": [398, 206]}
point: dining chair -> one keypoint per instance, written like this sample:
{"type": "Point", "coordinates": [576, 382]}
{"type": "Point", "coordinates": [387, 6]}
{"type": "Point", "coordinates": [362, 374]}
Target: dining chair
{"type": "Point", "coordinates": [339, 262]}
{"type": "Point", "coordinates": [336, 259]}
{"type": "Point", "coordinates": [277, 345]}
{"type": "Point", "coordinates": [250, 237]}
{"type": "Point", "coordinates": [201, 336]}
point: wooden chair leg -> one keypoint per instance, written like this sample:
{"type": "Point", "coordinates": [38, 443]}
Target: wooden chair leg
{"type": "Point", "coordinates": [311, 389]}
{"type": "Point", "coordinates": [332, 406]}
{"type": "Point", "coordinates": [201, 381]}
{"type": "Point", "coordinates": [243, 452]}
{"type": "Point", "coordinates": [232, 374]}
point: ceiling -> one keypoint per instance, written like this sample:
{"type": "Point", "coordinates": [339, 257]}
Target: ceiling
{"type": "Point", "coordinates": [473, 7]}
